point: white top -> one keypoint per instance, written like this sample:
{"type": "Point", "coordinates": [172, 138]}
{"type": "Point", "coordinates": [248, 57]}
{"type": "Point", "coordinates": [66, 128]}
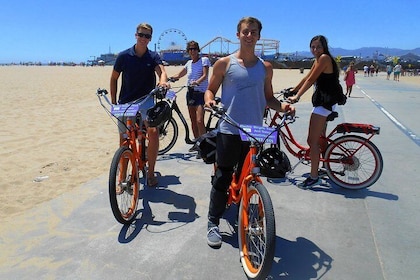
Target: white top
{"type": "Point", "coordinates": [195, 71]}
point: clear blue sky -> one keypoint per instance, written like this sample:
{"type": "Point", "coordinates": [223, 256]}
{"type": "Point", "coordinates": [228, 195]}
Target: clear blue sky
{"type": "Point", "coordinates": [76, 30]}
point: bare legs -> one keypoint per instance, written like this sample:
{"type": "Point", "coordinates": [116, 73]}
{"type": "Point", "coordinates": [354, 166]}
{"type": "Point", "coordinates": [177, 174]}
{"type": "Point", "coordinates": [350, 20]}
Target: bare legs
{"type": "Point", "coordinates": [317, 127]}
{"type": "Point", "coordinates": [152, 150]}
{"type": "Point", "coordinates": [348, 90]}
{"type": "Point", "coordinates": [197, 120]}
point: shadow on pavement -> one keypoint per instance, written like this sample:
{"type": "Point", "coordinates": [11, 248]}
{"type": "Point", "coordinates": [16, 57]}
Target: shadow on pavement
{"type": "Point", "coordinates": [300, 259]}
{"type": "Point", "coordinates": [184, 204]}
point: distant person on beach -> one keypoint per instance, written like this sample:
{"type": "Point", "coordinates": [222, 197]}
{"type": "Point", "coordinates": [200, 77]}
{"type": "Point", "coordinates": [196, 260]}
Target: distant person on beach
{"type": "Point", "coordinates": [371, 70]}
{"type": "Point", "coordinates": [388, 71]}
{"type": "Point", "coordinates": [350, 78]}
{"type": "Point", "coordinates": [139, 67]}
{"type": "Point", "coordinates": [366, 70]}
{"type": "Point", "coordinates": [247, 89]}
{"type": "Point", "coordinates": [324, 74]}
{"type": "Point", "coordinates": [197, 70]}
{"type": "Point", "coordinates": [397, 72]}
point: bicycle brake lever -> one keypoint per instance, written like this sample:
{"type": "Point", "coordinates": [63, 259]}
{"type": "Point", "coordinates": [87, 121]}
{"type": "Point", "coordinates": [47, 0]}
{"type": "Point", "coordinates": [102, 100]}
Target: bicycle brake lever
{"type": "Point", "coordinates": [100, 91]}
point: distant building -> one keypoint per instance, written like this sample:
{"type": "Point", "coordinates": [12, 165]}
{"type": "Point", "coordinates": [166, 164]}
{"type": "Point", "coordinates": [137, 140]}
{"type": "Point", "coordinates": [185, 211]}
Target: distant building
{"type": "Point", "coordinates": [107, 59]}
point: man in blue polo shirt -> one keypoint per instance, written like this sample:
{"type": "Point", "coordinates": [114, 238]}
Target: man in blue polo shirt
{"type": "Point", "coordinates": [139, 67]}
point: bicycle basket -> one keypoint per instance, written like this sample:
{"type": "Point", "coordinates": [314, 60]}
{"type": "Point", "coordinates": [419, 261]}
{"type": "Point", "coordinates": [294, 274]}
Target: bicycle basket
{"type": "Point", "coordinates": [159, 114]}
{"type": "Point", "coordinates": [206, 144]}
{"type": "Point", "coordinates": [274, 163]}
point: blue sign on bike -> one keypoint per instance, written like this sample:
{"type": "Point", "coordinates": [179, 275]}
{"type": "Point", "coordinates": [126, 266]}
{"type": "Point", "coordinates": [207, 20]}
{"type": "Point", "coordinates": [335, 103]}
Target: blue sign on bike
{"type": "Point", "coordinates": [264, 134]}
{"type": "Point", "coordinates": [127, 110]}
{"type": "Point", "coordinates": [170, 95]}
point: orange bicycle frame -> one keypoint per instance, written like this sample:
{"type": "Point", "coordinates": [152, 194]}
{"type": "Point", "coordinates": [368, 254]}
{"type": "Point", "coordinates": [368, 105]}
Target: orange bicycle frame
{"type": "Point", "coordinates": [237, 188]}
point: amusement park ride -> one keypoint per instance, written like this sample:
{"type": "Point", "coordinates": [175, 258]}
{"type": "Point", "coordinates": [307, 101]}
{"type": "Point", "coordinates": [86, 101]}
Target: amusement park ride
{"type": "Point", "coordinates": [172, 42]}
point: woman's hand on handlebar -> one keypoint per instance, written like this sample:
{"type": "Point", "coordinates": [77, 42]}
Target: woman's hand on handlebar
{"type": "Point", "coordinates": [172, 79]}
{"type": "Point", "coordinates": [293, 99]}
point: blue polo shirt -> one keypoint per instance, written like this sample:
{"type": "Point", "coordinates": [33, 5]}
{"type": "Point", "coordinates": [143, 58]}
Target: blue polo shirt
{"type": "Point", "coordinates": [138, 73]}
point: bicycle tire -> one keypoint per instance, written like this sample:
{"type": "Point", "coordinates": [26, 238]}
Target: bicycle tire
{"type": "Point", "coordinates": [359, 171]}
{"type": "Point", "coordinates": [124, 185]}
{"type": "Point", "coordinates": [168, 134]}
{"type": "Point", "coordinates": [256, 232]}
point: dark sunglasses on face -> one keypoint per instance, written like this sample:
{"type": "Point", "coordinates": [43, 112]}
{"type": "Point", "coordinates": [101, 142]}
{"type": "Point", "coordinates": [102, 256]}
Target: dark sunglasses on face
{"type": "Point", "coordinates": [143, 35]}
{"type": "Point", "coordinates": [193, 49]}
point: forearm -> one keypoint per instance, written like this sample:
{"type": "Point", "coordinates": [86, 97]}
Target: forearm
{"type": "Point", "coordinates": [113, 91]}
{"type": "Point", "coordinates": [275, 104]}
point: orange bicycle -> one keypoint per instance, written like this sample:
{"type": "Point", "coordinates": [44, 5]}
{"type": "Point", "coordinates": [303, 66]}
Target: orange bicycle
{"type": "Point", "coordinates": [128, 166]}
{"type": "Point", "coordinates": [256, 221]}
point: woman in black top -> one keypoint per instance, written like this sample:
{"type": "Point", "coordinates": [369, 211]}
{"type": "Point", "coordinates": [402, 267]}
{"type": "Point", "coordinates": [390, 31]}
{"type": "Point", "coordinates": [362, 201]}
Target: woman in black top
{"type": "Point", "coordinates": [324, 75]}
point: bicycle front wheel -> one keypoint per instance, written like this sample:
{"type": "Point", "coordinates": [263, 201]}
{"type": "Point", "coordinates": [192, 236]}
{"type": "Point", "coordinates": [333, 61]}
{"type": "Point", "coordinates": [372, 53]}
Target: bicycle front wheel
{"type": "Point", "coordinates": [123, 185]}
{"type": "Point", "coordinates": [256, 232]}
{"type": "Point", "coordinates": [168, 134]}
{"type": "Point", "coordinates": [353, 162]}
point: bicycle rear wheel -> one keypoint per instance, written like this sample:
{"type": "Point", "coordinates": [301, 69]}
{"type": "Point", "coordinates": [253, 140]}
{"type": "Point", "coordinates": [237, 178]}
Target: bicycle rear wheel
{"type": "Point", "coordinates": [168, 134]}
{"type": "Point", "coordinates": [124, 185]}
{"type": "Point", "coordinates": [256, 232]}
{"type": "Point", "coordinates": [353, 162]}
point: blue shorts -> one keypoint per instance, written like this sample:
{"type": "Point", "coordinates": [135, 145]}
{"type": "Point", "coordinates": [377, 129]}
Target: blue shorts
{"type": "Point", "coordinates": [195, 98]}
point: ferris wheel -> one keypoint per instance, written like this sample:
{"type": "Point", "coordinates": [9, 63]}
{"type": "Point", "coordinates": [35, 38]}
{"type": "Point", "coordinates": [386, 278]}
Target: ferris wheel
{"type": "Point", "coordinates": [172, 39]}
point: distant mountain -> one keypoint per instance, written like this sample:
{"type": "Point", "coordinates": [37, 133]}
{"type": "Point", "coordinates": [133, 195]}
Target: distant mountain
{"type": "Point", "coordinates": [368, 52]}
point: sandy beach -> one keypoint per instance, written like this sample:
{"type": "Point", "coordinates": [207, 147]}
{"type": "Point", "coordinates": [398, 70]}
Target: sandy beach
{"type": "Point", "coordinates": [55, 136]}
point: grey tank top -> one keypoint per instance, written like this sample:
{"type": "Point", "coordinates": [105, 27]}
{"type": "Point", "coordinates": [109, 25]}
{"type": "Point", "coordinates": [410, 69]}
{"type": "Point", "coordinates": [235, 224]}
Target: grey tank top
{"type": "Point", "coordinates": [243, 94]}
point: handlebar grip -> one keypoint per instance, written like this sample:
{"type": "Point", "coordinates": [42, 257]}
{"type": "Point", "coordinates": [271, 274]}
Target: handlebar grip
{"type": "Point", "coordinates": [288, 92]}
{"type": "Point", "coordinates": [100, 91]}
{"type": "Point", "coordinates": [161, 92]}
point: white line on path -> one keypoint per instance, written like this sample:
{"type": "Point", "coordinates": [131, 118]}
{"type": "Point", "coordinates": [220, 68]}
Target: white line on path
{"type": "Point", "coordinates": [402, 127]}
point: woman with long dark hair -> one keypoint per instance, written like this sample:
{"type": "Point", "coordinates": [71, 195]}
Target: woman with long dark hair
{"type": "Point", "coordinates": [324, 74]}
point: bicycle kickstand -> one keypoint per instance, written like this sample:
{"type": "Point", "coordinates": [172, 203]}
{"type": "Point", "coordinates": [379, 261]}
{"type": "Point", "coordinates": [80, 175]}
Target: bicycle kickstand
{"type": "Point", "coordinates": [292, 170]}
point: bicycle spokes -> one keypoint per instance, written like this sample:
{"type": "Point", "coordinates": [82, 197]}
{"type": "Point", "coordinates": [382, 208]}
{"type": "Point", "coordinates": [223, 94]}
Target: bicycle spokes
{"type": "Point", "coordinates": [256, 231]}
{"type": "Point", "coordinates": [353, 162]}
{"type": "Point", "coordinates": [123, 185]}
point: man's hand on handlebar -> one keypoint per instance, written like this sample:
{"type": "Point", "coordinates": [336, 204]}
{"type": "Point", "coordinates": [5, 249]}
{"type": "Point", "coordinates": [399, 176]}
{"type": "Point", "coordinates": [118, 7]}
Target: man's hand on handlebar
{"type": "Point", "coordinates": [213, 102]}
{"type": "Point", "coordinates": [172, 79]}
{"type": "Point", "coordinates": [289, 109]}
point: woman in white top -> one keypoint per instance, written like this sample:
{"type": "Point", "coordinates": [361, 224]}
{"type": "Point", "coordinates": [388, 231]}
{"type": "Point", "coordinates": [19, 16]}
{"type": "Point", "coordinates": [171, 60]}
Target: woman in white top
{"type": "Point", "coordinates": [196, 69]}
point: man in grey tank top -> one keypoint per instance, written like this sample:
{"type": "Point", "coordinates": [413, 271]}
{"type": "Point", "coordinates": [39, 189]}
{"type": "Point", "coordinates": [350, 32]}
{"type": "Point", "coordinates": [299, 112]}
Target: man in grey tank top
{"type": "Point", "coordinates": [246, 90]}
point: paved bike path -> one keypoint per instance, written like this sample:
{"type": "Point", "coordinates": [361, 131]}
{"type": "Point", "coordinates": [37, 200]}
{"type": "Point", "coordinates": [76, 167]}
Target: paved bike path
{"type": "Point", "coordinates": [327, 232]}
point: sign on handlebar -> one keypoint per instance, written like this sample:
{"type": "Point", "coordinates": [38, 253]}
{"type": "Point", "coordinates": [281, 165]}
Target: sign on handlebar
{"type": "Point", "coordinates": [126, 110]}
{"type": "Point", "coordinates": [170, 95]}
{"type": "Point", "coordinates": [263, 134]}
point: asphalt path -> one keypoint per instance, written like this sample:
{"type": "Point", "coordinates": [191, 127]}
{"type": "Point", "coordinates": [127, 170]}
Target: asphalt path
{"type": "Point", "coordinates": [324, 233]}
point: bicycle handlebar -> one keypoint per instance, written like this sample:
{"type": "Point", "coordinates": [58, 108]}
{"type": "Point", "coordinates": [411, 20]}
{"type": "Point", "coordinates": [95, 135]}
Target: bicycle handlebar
{"type": "Point", "coordinates": [284, 94]}
{"type": "Point", "coordinates": [159, 92]}
{"type": "Point", "coordinates": [219, 111]}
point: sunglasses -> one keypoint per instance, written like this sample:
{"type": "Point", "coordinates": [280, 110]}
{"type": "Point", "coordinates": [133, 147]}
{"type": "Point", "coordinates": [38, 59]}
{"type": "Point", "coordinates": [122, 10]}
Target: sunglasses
{"type": "Point", "coordinates": [193, 49]}
{"type": "Point", "coordinates": [144, 35]}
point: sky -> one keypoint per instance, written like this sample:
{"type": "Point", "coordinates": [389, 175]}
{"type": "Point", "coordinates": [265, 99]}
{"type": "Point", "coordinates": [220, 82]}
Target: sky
{"type": "Point", "coordinates": [79, 30]}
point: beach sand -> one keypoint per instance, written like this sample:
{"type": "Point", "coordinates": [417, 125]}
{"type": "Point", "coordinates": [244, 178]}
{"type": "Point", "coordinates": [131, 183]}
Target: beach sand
{"type": "Point", "coordinates": [55, 136]}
